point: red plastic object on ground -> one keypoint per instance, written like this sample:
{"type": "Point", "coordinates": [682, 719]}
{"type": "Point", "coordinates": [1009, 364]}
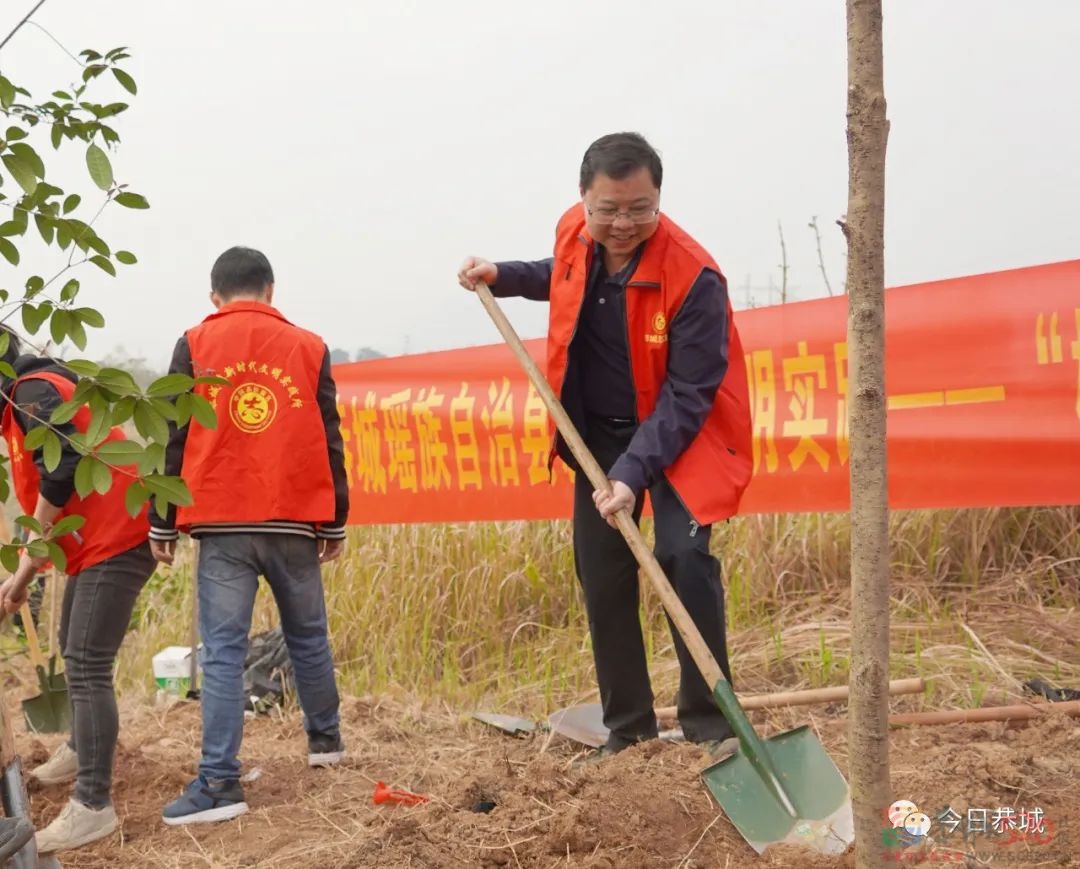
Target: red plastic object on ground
{"type": "Point", "coordinates": [384, 794]}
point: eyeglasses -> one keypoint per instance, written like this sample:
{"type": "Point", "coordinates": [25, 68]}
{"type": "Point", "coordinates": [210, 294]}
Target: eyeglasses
{"type": "Point", "coordinates": [606, 214]}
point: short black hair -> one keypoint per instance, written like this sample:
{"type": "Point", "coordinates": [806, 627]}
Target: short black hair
{"type": "Point", "coordinates": [240, 271]}
{"type": "Point", "coordinates": [618, 155]}
{"type": "Point", "coordinates": [14, 345]}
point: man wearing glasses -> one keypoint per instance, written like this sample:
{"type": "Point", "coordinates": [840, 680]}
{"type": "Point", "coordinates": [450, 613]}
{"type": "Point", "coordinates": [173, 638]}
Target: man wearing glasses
{"type": "Point", "coordinates": [642, 350]}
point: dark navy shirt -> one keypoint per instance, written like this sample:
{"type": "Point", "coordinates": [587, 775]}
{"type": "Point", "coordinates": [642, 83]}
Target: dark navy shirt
{"type": "Point", "coordinates": [598, 377]}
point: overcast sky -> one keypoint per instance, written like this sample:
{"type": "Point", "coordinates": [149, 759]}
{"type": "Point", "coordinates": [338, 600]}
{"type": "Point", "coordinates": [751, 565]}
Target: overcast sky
{"type": "Point", "coordinates": [367, 147]}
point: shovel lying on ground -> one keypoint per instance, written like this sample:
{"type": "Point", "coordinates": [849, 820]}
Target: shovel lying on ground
{"type": "Point", "coordinates": [49, 711]}
{"type": "Point", "coordinates": [585, 722]}
{"type": "Point", "coordinates": [782, 789]}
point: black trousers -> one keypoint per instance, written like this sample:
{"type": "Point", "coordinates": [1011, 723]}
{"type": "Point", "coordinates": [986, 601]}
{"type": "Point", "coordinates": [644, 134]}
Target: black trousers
{"type": "Point", "coordinates": [608, 573]}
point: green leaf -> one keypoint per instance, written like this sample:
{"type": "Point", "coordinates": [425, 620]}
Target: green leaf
{"type": "Point", "coordinates": [83, 367]}
{"type": "Point", "coordinates": [57, 555]}
{"type": "Point", "coordinates": [117, 381]}
{"type": "Point", "coordinates": [51, 450]}
{"type": "Point", "coordinates": [102, 477]}
{"type": "Point", "coordinates": [170, 489]}
{"type": "Point", "coordinates": [77, 334]}
{"type": "Point", "coordinates": [9, 252]}
{"type": "Point", "coordinates": [29, 523]}
{"type": "Point", "coordinates": [59, 325]}
{"type": "Point", "coordinates": [46, 228]}
{"type": "Point", "coordinates": [153, 459]}
{"type": "Point", "coordinates": [21, 172]}
{"type": "Point", "coordinates": [13, 134]}
{"type": "Point", "coordinates": [104, 264]}
{"type": "Point", "coordinates": [67, 525]}
{"type": "Point", "coordinates": [126, 257]}
{"type": "Point", "coordinates": [84, 476]}
{"type": "Point", "coordinates": [100, 424]}
{"type": "Point", "coordinates": [150, 423]}
{"type": "Point", "coordinates": [123, 409]}
{"type": "Point", "coordinates": [34, 315]}
{"type": "Point", "coordinates": [135, 497]}
{"type": "Point", "coordinates": [56, 134]}
{"type": "Point", "coordinates": [34, 285]}
{"type": "Point", "coordinates": [71, 203]}
{"type": "Point", "coordinates": [170, 384]}
{"type": "Point", "coordinates": [97, 243]}
{"type": "Point", "coordinates": [213, 380]}
{"type": "Point", "coordinates": [30, 157]}
{"type": "Point", "coordinates": [131, 200]}
{"type": "Point", "coordinates": [69, 291]}
{"type": "Point", "coordinates": [65, 412]}
{"type": "Point", "coordinates": [182, 408]}
{"type": "Point", "coordinates": [97, 161]}
{"type": "Point", "coordinates": [7, 92]}
{"type": "Point", "coordinates": [166, 408]}
{"type": "Point", "coordinates": [37, 549]}
{"type": "Point", "coordinates": [11, 227]}
{"type": "Point", "coordinates": [120, 452]}
{"type": "Point", "coordinates": [203, 411]}
{"type": "Point", "coordinates": [126, 81]}
{"type": "Point", "coordinates": [10, 557]}
{"type": "Point", "coordinates": [89, 316]}
{"type": "Point", "coordinates": [35, 437]}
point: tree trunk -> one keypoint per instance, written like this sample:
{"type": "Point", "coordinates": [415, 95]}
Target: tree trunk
{"type": "Point", "coordinates": [867, 134]}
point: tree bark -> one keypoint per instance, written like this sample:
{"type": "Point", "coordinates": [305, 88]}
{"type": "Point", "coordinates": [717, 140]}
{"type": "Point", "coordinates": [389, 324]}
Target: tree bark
{"type": "Point", "coordinates": [867, 135]}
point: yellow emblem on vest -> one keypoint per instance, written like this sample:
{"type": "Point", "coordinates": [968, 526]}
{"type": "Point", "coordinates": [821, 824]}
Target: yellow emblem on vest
{"type": "Point", "coordinates": [252, 408]}
{"type": "Point", "coordinates": [659, 323]}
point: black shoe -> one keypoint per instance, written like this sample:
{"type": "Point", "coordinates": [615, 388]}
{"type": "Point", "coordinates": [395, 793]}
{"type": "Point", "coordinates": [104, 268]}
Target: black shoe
{"type": "Point", "coordinates": [14, 833]}
{"type": "Point", "coordinates": [325, 749]}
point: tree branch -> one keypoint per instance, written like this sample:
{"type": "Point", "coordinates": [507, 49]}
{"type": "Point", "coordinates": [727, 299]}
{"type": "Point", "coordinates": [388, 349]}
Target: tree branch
{"type": "Point", "coordinates": [18, 26]}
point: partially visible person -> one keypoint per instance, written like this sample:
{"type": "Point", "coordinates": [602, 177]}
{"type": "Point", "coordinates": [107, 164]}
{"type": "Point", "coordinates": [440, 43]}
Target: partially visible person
{"type": "Point", "coordinates": [109, 562]}
{"type": "Point", "coordinates": [270, 498]}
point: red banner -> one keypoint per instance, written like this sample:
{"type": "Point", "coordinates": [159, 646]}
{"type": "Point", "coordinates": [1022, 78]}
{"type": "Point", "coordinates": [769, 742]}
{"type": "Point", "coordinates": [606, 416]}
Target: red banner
{"type": "Point", "coordinates": [982, 376]}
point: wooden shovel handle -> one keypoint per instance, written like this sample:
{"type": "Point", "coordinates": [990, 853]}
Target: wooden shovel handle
{"type": "Point", "coordinates": [54, 609]}
{"type": "Point", "coordinates": [1019, 712]}
{"type": "Point", "coordinates": [806, 697]}
{"type": "Point", "coordinates": [32, 641]}
{"type": "Point", "coordinates": [681, 618]}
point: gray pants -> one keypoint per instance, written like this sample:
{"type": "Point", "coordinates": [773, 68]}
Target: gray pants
{"type": "Point", "coordinates": [97, 608]}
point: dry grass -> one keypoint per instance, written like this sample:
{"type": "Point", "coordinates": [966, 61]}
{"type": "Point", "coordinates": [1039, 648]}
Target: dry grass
{"type": "Point", "coordinates": [490, 614]}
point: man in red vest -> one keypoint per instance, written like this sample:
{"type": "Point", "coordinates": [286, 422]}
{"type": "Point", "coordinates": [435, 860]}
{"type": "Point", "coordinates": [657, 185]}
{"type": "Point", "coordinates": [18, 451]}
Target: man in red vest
{"type": "Point", "coordinates": [109, 562]}
{"type": "Point", "coordinates": [642, 350]}
{"type": "Point", "coordinates": [270, 498]}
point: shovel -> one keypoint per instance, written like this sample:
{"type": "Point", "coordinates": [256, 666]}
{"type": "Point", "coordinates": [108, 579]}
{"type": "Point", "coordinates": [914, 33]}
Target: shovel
{"type": "Point", "coordinates": [55, 581]}
{"type": "Point", "coordinates": [785, 789]}
{"type": "Point", "coordinates": [585, 723]}
{"type": "Point", "coordinates": [49, 711]}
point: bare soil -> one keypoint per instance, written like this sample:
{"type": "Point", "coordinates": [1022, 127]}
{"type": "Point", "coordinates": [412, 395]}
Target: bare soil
{"type": "Point", "coordinates": [500, 801]}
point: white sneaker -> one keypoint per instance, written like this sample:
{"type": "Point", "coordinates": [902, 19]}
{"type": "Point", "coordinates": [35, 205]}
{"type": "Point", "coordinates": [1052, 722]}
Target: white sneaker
{"type": "Point", "coordinates": [62, 766]}
{"type": "Point", "coordinates": [75, 826]}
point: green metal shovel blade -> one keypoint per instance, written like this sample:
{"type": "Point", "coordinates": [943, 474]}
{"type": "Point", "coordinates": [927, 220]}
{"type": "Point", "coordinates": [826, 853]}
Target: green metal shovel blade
{"type": "Point", "coordinates": [784, 789]}
{"type": "Point", "coordinates": [49, 711]}
{"type": "Point", "coordinates": [818, 793]}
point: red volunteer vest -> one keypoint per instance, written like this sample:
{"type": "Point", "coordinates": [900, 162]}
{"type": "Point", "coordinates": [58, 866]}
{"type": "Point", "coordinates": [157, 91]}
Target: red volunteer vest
{"type": "Point", "coordinates": [109, 529]}
{"type": "Point", "coordinates": [267, 459]}
{"type": "Point", "coordinates": [712, 473]}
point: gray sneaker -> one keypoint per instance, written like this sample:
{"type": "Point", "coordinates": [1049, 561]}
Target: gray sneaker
{"type": "Point", "coordinates": [75, 826]}
{"type": "Point", "coordinates": [61, 767]}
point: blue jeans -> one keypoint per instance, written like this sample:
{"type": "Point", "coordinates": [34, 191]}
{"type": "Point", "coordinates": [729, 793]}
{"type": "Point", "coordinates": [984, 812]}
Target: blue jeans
{"type": "Point", "coordinates": [229, 570]}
